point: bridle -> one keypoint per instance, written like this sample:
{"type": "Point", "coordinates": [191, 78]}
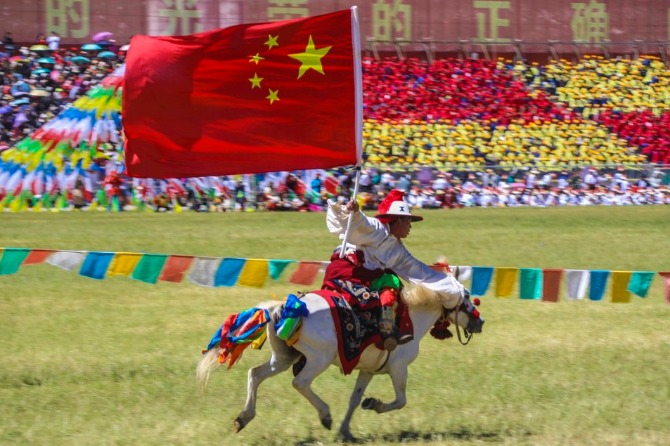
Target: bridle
{"type": "Point", "coordinates": [466, 334]}
{"type": "Point", "coordinates": [470, 329]}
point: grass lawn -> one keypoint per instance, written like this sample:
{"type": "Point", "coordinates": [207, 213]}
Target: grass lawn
{"type": "Point", "coordinates": [107, 362]}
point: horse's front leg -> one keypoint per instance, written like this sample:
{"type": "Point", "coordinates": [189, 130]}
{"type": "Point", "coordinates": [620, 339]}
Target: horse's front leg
{"type": "Point", "coordinates": [255, 377]}
{"type": "Point", "coordinates": [398, 375]}
{"type": "Point", "coordinates": [362, 382]}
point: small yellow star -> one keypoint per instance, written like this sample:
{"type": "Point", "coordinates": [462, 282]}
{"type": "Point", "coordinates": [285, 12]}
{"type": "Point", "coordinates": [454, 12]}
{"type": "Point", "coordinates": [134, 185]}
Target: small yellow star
{"type": "Point", "coordinates": [310, 58]}
{"type": "Point", "coordinates": [272, 41]}
{"type": "Point", "coordinates": [255, 81]}
{"type": "Point", "coordinates": [256, 58]}
{"type": "Point", "coordinates": [273, 96]}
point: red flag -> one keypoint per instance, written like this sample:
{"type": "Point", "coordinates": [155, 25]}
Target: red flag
{"type": "Point", "coordinates": [246, 99]}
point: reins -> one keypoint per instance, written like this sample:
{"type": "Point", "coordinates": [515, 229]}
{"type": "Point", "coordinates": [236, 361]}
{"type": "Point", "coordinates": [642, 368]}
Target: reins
{"type": "Point", "coordinates": [467, 335]}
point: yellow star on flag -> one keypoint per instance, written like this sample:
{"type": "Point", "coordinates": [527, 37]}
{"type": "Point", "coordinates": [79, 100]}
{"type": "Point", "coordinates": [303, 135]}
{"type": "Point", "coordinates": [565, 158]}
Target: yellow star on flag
{"type": "Point", "coordinates": [273, 96]}
{"type": "Point", "coordinates": [255, 81]}
{"type": "Point", "coordinates": [310, 58]}
{"type": "Point", "coordinates": [272, 41]}
{"type": "Point", "coordinates": [256, 58]}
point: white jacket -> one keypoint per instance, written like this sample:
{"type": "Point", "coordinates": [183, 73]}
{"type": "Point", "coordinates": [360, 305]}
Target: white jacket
{"type": "Point", "coordinates": [384, 251]}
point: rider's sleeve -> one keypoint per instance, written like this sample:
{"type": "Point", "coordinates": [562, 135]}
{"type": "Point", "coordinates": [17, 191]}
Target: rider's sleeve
{"type": "Point", "coordinates": [393, 254]}
{"type": "Point", "coordinates": [363, 231]}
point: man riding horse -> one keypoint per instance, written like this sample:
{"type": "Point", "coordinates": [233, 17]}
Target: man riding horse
{"type": "Point", "coordinates": [375, 257]}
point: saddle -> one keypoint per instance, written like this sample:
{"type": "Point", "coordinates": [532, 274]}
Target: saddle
{"type": "Point", "coordinates": [356, 323]}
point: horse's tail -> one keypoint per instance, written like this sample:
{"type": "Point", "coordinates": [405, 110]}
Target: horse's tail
{"type": "Point", "coordinates": [210, 359]}
{"type": "Point", "coordinates": [208, 362]}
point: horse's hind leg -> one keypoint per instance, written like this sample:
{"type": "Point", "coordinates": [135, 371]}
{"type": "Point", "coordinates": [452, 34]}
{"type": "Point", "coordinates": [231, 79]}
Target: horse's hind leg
{"type": "Point", "coordinates": [256, 376]}
{"type": "Point", "coordinates": [316, 363]}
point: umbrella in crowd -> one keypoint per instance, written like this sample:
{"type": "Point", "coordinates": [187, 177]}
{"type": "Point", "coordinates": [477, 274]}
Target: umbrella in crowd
{"type": "Point", "coordinates": [124, 48]}
{"type": "Point", "coordinates": [91, 47]}
{"type": "Point", "coordinates": [80, 60]}
{"type": "Point", "coordinates": [39, 93]}
{"type": "Point", "coordinates": [46, 60]}
{"type": "Point", "coordinates": [21, 101]}
{"type": "Point", "coordinates": [106, 55]}
{"type": "Point", "coordinates": [40, 71]}
{"type": "Point", "coordinates": [39, 48]}
{"type": "Point", "coordinates": [3, 55]}
{"type": "Point", "coordinates": [103, 35]}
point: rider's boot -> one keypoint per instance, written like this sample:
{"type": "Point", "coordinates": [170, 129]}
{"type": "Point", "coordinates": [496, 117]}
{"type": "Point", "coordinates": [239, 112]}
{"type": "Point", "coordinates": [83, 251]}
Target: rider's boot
{"type": "Point", "coordinates": [387, 327]}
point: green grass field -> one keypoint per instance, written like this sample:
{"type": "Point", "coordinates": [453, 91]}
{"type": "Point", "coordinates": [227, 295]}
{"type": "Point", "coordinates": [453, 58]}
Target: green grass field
{"type": "Point", "coordinates": [112, 362]}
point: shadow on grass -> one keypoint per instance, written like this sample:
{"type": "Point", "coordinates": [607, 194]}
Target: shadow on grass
{"type": "Point", "coordinates": [402, 437]}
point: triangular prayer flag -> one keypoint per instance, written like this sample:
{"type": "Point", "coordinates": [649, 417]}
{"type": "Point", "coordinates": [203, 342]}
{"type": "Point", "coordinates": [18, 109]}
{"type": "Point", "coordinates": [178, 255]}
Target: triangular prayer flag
{"type": "Point", "coordinates": [149, 268]}
{"type": "Point", "coordinates": [481, 279]}
{"type": "Point", "coordinates": [551, 284]}
{"type": "Point", "coordinates": [175, 267]}
{"type": "Point", "coordinates": [277, 267]}
{"type": "Point", "coordinates": [619, 289]}
{"type": "Point", "coordinates": [11, 260]}
{"type": "Point", "coordinates": [96, 264]}
{"type": "Point", "coordinates": [530, 283]}
{"type": "Point", "coordinates": [228, 272]}
{"type": "Point", "coordinates": [598, 284]}
{"type": "Point", "coordinates": [67, 260]}
{"type": "Point", "coordinates": [640, 282]}
{"type": "Point", "coordinates": [577, 283]}
{"type": "Point", "coordinates": [37, 256]}
{"type": "Point", "coordinates": [305, 273]}
{"type": "Point", "coordinates": [124, 263]}
{"type": "Point", "coordinates": [254, 273]}
{"type": "Point", "coordinates": [249, 93]}
{"type": "Point", "coordinates": [505, 280]}
{"type": "Point", "coordinates": [203, 270]}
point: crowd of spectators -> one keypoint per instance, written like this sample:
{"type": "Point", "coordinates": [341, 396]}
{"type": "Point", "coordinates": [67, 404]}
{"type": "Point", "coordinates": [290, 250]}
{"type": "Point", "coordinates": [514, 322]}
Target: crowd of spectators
{"type": "Point", "coordinates": [39, 83]}
{"type": "Point", "coordinates": [452, 133]}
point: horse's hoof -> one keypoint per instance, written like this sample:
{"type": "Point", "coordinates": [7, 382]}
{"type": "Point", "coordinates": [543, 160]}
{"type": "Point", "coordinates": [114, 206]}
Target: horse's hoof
{"type": "Point", "coordinates": [238, 424]}
{"type": "Point", "coordinates": [327, 422]}
{"type": "Point", "coordinates": [369, 403]}
{"type": "Point", "coordinates": [346, 437]}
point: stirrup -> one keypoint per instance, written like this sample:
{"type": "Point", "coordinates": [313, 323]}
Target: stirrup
{"type": "Point", "coordinates": [390, 343]}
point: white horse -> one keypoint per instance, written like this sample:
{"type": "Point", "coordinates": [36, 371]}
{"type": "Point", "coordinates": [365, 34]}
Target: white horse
{"type": "Point", "coordinates": [318, 344]}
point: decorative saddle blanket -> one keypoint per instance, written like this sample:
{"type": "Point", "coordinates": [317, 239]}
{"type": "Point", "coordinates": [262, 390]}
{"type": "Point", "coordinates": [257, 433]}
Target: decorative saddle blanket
{"type": "Point", "coordinates": [356, 326]}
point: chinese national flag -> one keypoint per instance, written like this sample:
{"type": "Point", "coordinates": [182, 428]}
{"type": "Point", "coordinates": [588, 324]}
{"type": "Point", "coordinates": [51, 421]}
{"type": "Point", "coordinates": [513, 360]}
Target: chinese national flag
{"type": "Point", "coordinates": [247, 99]}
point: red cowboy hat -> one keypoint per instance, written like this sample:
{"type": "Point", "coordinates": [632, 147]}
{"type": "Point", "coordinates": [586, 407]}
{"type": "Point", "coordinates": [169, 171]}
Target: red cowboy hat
{"type": "Point", "coordinates": [394, 205]}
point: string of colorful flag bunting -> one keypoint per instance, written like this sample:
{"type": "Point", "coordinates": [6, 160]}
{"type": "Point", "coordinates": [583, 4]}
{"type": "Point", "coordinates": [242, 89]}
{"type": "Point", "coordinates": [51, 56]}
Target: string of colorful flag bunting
{"type": "Point", "coordinates": [530, 283]}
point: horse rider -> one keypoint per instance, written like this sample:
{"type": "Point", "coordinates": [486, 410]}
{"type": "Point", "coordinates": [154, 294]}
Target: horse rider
{"type": "Point", "coordinates": [375, 258]}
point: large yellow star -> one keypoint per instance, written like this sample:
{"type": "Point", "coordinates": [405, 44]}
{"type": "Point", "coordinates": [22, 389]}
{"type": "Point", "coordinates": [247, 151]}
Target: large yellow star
{"type": "Point", "coordinates": [273, 96]}
{"type": "Point", "coordinates": [255, 81]}
{"type": "Point", "coordinates": [310, 58]}
{"type": "Point", "coordinates": [272, 41]}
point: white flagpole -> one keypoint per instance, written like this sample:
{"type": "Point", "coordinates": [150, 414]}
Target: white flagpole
{"type": "Point", "coordinates": [358, 87]}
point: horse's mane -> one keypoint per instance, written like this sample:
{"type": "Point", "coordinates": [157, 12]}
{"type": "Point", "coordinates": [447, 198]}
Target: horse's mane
{"type": "Point", "coordinates": [417, 295]}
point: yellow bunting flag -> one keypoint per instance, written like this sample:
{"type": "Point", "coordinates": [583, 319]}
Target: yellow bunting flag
{"type": "Point", "coordinates": [254, 273]}
{"type": "Point", "coordinates": [124, 263]}
{"type": "Point", "coordinates": [620, 293]}
{"type": "Point", "coordinates": [505, 280]}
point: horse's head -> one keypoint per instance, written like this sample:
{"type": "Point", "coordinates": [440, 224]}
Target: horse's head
{"type": "Point", "coordinates": [466, 316]}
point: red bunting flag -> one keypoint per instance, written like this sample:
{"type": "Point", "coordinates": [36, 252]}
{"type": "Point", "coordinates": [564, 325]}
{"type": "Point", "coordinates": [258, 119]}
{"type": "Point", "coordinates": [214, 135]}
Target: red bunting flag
{"type": "Point", "coordinates": [251, 98]}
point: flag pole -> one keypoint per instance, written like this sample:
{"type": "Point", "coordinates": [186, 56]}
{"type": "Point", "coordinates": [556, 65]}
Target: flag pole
{"type": "Point", "coordinates": [358, 90]}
